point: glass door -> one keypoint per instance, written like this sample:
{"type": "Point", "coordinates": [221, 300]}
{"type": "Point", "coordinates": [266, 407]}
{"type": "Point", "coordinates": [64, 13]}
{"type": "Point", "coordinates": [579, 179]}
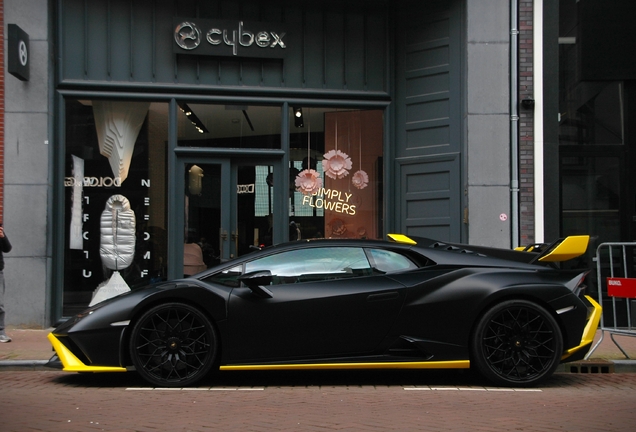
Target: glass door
{"type": "Point", "coordinates": [227, 209]}
{"type": "Point", "coordinates": [253, 207]}
{"type": "Point", "coordinates": [204, 214]}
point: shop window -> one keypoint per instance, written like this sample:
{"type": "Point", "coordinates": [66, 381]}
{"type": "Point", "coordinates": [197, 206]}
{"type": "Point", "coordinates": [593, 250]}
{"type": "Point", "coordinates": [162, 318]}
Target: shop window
{"type": "Point", "coordinates": [591, 113]}
{"type": "Point", "coordinates": [228, 126]}
{"type": "Point", "coordinates": [591, 191]}
{"type": "Point", "coordinates": [115, 187]}
{"type": "Point", "coordinates": [335, 173]}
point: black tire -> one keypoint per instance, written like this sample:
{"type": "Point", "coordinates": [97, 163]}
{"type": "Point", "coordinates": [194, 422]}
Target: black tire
{"type": "Point", "coordinates": [517, 343]}
{"type": "Point", "coordinates": [173, 345]}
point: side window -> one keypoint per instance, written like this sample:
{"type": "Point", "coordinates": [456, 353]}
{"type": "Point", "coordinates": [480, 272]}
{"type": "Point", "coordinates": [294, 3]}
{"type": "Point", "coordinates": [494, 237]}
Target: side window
{"type": "Point", "coordinates": [386, 261]}
{"type": "Point", "coordinates": [227, 277]}
{"type": "Point", "coordinates": [313, 264]}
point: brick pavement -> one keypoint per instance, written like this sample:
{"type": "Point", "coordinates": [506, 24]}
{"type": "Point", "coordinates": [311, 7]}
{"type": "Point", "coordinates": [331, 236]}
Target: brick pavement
{"type": "Point", "coordinates": [314, 402]}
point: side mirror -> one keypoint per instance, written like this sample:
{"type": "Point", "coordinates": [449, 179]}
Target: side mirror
{"type": "Point", "coordinates": [256, 280]}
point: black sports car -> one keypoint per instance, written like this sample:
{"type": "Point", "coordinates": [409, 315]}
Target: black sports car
{"type": "Point", "coordinates": [410, 303]}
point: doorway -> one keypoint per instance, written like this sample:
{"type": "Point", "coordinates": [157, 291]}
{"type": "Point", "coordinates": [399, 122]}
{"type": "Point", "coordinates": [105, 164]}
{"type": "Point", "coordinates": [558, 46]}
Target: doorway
{"type": "Point", "coordinates": [227, 210]}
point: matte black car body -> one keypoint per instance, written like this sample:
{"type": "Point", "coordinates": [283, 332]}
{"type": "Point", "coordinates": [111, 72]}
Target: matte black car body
{"type": "Point", "coordinates": [452, 309]}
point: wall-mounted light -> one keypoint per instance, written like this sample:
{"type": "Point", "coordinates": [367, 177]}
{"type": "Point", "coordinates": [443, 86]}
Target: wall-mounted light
{"type": "Point", "coordinates": [198, 124]}
{"type": "Point", "coordinates": [527, 103]}
{"type": "Point", "coordinates": [298, 118]}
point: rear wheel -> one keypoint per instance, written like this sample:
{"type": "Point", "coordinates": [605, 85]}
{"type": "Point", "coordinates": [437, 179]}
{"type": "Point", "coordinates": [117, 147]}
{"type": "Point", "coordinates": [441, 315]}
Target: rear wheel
{"type": "Point", "coordinates": [173, 345]}
{"type": "Point", "coordinates": [517, 343]}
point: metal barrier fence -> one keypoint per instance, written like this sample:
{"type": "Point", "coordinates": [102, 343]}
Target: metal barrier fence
{"type": "Point", "coordinates": [616, 281]}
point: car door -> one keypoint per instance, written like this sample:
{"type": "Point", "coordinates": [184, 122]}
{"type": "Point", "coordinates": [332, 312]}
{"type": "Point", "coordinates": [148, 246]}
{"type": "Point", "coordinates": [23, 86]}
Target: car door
{"type": "Point", "coordinates": [326, 301]}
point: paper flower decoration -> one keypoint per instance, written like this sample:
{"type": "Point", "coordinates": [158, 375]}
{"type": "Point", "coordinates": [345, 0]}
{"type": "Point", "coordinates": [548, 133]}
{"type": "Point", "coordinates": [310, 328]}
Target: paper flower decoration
{"type": "Point", "coordinates": [338, 227]}
{"type": "Point", "coordinates": [336, 164]}
{"type": "Point", "coordinates": [360, 179]}
{"type": "Point", "coordinates": [308, 181]}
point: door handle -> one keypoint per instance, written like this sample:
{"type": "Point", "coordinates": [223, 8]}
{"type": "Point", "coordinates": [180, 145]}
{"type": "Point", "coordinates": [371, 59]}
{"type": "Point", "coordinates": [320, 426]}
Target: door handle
{"type": "Point", "coordinates": [235, 237]}
{"type": "Point", "coordinates": [222, 238]}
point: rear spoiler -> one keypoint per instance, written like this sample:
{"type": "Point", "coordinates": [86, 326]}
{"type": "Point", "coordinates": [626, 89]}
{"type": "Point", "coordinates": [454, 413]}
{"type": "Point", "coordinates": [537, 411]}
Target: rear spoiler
{"type": "Point", "coordinates": [563, 249]}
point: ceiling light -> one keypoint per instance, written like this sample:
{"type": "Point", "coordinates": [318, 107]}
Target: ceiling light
{"type": "Point", "coordinates": [198, 124]}
{"type": "Point", "coordinates": [298, 118]}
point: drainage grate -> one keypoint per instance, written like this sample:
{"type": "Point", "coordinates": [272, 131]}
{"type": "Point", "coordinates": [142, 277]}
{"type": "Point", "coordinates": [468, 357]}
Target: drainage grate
{"type": "Point", "coordinates": [591, 368]}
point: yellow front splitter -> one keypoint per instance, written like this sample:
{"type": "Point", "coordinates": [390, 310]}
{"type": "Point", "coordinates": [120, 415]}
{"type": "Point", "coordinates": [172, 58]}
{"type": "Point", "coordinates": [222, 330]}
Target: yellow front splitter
{"type": "Point", "coordinates": [72, 363]}
{"type": "Point", "coordinates": [460, 364]}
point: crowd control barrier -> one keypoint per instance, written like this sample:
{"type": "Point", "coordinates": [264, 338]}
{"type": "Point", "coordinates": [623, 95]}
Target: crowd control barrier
{"type": "Point", "coordinates": [616, 281]}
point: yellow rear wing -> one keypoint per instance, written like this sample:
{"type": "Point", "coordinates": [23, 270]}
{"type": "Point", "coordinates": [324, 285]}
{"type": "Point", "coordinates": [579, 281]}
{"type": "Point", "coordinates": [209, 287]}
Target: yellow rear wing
{"type": "Point", "coordinates": [401, 238]}
{"type": "Point", "coordinates": [562, 250]}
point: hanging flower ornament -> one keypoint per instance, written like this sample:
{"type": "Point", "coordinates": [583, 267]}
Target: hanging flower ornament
{"type": "Point", "coordinates": [336, 164]}
{"type": "Point", "coordinates": [360, 179]}
{"type": "Point", "coordinates": [308, 182]}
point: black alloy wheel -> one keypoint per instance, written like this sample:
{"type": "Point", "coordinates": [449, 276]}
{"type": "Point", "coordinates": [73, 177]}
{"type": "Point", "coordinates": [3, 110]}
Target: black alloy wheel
{"type": "Point", "coordinates": [517, 343]}
{"type": "Point", "coordinates": [173, 345]}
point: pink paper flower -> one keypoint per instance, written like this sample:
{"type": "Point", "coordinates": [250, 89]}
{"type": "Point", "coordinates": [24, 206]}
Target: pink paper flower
{"type": "Point", "coordinates": [308, 181]}
{"type": "Point", "coordinates": [338, 227]}
{"type": "Point", "coordinates": [360, 179]}
{"type": "Point", "coordinates": [336, 164]}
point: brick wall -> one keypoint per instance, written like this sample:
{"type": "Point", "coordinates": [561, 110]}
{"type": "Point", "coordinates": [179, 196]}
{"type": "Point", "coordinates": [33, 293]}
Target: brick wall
{"type": "Point", "coordinates": [526, 124]}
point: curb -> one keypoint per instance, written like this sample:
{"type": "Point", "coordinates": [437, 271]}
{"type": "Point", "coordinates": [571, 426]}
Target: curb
{"type": "Point", "coordinates": [21, 365]}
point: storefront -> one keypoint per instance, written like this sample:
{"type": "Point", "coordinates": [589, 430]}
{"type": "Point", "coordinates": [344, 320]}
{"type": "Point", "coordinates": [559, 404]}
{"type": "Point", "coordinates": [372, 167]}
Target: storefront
{"type": "Point", "coordinates": [172, 141]}
{"type": "Point", "coordinates": [190, 140]}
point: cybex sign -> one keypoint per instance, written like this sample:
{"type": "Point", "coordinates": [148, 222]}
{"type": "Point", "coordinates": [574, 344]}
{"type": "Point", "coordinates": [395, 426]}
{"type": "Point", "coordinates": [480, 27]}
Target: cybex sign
{"type": "Point", "coordinates": [229, 38]}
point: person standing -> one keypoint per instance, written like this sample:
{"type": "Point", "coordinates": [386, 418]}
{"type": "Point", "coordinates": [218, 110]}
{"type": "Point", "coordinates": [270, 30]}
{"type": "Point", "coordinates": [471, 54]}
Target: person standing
{"type": "Point", "coordinates": [5, 246]}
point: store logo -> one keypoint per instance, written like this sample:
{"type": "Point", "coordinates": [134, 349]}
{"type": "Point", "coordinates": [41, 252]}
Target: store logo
{"type": "Point", "coordinates": [245, 189]}
{"type": "Point", "coordinates": [225, 38]}
{"type": "Point", "coordinates": [93, 182]}
{"type": "Point", "coordinates": [331, 199]}
{"type": "Point", "coordinates": [187, 35]}
{"type": "Point", "coordinates": [23, 53]}
{"type": "Point", "coordinates": [18, 55]}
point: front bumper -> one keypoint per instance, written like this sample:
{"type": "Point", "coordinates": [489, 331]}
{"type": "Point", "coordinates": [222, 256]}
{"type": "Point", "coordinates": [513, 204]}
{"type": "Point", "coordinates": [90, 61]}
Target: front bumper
{"type": "Point", "coordinates": [71, 363]}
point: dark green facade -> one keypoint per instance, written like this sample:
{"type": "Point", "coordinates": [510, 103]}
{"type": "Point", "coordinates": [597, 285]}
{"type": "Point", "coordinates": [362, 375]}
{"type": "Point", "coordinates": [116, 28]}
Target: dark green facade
{"type": "Point", "coordinates": [403, 59]}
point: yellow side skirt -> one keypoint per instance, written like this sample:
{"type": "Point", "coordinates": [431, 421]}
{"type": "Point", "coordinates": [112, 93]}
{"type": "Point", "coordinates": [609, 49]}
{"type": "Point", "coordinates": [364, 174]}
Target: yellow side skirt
{"type": "Point", "coordinates": [461, 364]}
{"type": "Point", "coordinates": [589, 331]}
{"type": "Point", "coordinates": [72, 363]}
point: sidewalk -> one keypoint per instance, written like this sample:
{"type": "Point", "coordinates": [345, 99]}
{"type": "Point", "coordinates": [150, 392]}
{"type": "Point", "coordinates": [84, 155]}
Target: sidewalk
{"type": "Point", "coordinates": [30, 349]}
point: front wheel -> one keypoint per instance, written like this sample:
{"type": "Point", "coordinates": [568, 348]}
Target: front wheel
{"type": "Point", "coordinates": [173, 345]}
{"type": "Point", "coordinates": [517, 343]}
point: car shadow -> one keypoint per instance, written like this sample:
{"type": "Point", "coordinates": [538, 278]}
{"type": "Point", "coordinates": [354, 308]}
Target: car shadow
{"type": "Point", "coordinates": [339, 378]}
